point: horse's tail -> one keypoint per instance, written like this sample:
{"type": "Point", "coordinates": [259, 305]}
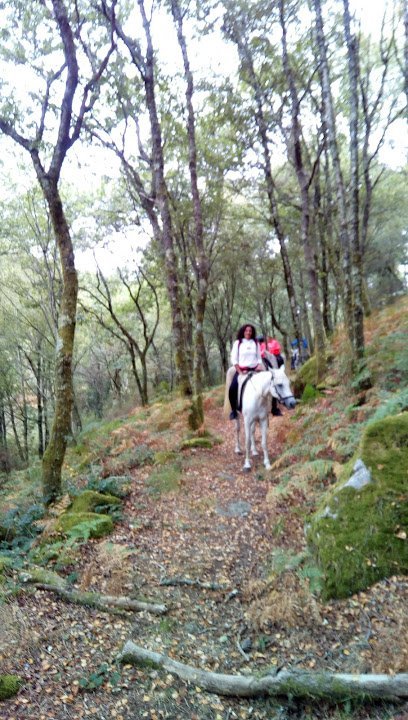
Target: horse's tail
{"type": "Point", "coordinates": [228, 381]}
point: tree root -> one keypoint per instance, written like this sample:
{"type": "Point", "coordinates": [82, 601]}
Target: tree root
{"type": "Point", "coordinates": [296, 683]}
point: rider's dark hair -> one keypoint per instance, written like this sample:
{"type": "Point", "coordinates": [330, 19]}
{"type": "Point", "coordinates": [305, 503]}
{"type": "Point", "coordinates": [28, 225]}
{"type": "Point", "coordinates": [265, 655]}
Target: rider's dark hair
{"type": "Point", "coordinates": [241, 332]}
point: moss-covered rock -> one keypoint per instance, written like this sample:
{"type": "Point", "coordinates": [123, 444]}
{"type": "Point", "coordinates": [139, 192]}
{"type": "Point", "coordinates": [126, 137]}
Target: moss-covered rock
{"type": "Point", "coordinates": [9, 686]}
{"type": "Point", "coordinates": [306, 375]}
{"type": "Point", "coordinates": [90, 500]}
{"type": "Point", "coordinates": [162, 457]}
{"type": "Point", "coordinates": [359, 533]}
{"type": "Point", "coordinates": [94, 524]}
{"type": "Point", "coordinates": [197, 442]}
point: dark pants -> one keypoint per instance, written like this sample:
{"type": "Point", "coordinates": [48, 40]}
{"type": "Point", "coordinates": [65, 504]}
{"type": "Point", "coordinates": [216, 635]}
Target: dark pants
{"type": "Point", "coordinates": [279, 361]}
{"type": "Point", "coordinates": [233, 392]}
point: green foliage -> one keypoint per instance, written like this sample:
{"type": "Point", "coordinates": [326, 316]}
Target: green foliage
{"type": "Point", "coordinates": [362, 379]}
{"type": "Point", "coordinates": [397, 375]}
{"type": "Point", "coordinates": [137, 456]}
{"type": "Point", "coordinates": [6, 563]}
{"type": "Point", "coordinates": [310, 393]}
{"type": "Point", "coordinates": [63, 552]}
{"type": "Point", "coordinates": [164, 479]}
{"type": "Point", "coordinates": [164, 456]}
{"type": "Point", "coordinates": [303, 564]}
{"type": "Point", "coordinates": [282, 560]}
{"type": "Point", "coordinates": [19, 521]}
{"type": "Point", "coordinates": [117, 485]}
{"type": "Point", "coordinates": [95, 680]}
{"type": "Point", "coordinates": [82, 526]}
{"type": "Point", "coordinates": [359, 536]}
{"type": "Point", "coordinates": [392, 406]}
{"type": "Point", "coordinates": [345, 440]}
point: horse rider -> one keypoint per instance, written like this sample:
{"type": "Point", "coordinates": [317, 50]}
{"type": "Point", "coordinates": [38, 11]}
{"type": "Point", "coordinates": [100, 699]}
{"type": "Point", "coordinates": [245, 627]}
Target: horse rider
{"type": "Point", "coordinates": [245, 357]}
{"type": "Point", "coordinates": [272, 358]}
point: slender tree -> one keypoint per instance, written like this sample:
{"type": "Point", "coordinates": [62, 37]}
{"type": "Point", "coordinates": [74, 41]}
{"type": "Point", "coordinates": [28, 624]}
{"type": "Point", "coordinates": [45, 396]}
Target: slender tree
{"type": "Point", "coordinates": [202, 264]}
{"type": "Point", "coordinates": [304, 180]}
{"type": "Point", "coordinates": [69, 123]}
{"type": "Point", "coordinates": [235, 30]}
{"type": "Point", "coordinates": [145, 66]}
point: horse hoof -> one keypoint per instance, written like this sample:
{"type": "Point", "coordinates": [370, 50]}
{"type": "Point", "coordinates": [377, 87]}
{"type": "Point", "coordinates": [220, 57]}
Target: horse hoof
{"type": "Point", "coordinates": [238, 452]}
{"type": "Point", "coordinates": [268, 467]}
{"type": "Point", "coordinates": [246, 469]}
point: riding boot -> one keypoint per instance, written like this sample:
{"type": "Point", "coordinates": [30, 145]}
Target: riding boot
{"type": "Point", "coordinates": [233, 397]}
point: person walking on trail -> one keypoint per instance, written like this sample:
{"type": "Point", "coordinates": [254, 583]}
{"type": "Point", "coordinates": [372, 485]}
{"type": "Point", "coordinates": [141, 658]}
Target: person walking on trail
{"type": "Point", "coordinates": [245, 357]}
{"type": "Point", "coordinates": [272, 358]}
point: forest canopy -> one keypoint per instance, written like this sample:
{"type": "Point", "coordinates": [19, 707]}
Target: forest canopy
{"type": "Point", "coordinates": [236, 159]}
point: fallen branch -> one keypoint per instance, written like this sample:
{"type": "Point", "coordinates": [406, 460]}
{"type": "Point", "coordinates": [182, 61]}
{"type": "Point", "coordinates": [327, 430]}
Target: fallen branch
{"type": "Point", "coordinates": [107, 603]}
{"type": "Point", "coordinates": [193, 583]}
{"type": "Point", "coordinates": [297, 683]}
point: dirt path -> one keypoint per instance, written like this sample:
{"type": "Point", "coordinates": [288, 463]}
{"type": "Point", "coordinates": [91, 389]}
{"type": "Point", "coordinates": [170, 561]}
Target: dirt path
{"type": "Point", "coordinates": [217, 528]}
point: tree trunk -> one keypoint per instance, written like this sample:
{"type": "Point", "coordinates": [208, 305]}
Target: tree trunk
{"type": "Point", "coordinates": [236, 33]}
{"type": "Point", "coordinates": [304, 184]}
{"type": "Point", "coordinates": [405, 62]}
{"type": "Point", "coordinates": [202, 264]}
{"type": "Point", "coordinates": [164, 209]}
{"type": "Point", "coordinates": [61, 426]}
{"type": "Point", "coordinates": [40, 409]}
{"type": "Point", "coordinates": [294, 683]}
{"type": "Point", "coordinates": [356, 264]}
{"type": "Point", "coordinates": [329, 115]}
{"type": "Point", "coordinates": [322, 239]}
{"type": "Point", "coordinates": [69, 125]}
{"type": "Point", "coordinates": [15, 433]}
{"type": "Point", "coordinates": [24, 408]}
{"type": "Point", "coordinates": [4, 453]}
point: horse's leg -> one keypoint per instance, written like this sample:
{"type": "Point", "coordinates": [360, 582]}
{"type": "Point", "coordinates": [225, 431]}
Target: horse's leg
{"type": "Point", "coordinates": [238, 450]}
{"type": "Point", "coordinates": [264, 432]}
{"type": "Point", "coordinates": [248, 434]}
{"type": "Point", "coordinates": [254, 451]}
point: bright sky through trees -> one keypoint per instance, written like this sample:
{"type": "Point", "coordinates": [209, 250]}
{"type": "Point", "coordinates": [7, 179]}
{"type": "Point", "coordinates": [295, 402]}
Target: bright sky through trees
{"type": "Point", "coordinates": [209, 54]}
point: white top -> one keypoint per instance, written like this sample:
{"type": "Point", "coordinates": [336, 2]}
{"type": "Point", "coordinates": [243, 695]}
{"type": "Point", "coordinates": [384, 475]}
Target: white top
{"type": "Point", "coordinates": [246, 353]}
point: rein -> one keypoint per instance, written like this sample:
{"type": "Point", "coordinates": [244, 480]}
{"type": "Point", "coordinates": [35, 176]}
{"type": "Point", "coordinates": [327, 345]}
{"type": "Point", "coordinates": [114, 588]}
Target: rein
{"type": "Point", "coordinates": [264, 396]}
{"type": "Point", "coordinates": [281, 398]}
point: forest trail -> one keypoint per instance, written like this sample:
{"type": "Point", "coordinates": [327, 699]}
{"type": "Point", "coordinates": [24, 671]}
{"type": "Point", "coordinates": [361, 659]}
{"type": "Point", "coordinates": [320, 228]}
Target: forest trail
{"type": "Point", "coordinates": [217, 530]}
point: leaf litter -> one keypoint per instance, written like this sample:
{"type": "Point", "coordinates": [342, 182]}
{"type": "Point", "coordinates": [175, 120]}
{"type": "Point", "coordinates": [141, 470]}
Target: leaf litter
{"type": "Point", "coordinates": [222, 529]}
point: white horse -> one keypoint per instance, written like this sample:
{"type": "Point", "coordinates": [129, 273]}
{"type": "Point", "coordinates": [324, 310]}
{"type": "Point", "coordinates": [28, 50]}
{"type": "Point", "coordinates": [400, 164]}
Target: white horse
{"type": "Point", "coordinates": [256, 407]}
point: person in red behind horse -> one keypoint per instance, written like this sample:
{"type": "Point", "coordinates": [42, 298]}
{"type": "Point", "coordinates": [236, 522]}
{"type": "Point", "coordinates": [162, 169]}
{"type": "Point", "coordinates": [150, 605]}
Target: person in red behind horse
{"type": "Point", "coordinates": [272, 358]}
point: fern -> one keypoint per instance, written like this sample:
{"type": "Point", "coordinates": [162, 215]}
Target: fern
{"type": "Point", "coordinates": [83, 530]}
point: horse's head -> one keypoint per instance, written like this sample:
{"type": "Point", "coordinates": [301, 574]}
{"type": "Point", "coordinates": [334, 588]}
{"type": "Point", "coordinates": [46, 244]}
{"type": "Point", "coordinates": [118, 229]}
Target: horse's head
{"type": "Point", "coordinates": [280, 388]}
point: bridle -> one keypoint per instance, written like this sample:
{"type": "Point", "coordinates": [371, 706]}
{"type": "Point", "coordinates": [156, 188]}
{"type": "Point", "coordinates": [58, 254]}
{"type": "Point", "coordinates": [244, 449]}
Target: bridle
{"type": "Point", "coordinates": [281, 398]}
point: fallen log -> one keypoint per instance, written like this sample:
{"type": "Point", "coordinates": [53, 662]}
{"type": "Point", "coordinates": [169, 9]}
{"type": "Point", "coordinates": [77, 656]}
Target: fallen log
{"type": "Point", "coordinates": [296, 683]}
{"type": "Point", "coordinates": [107, 603]}
{"type": "Point", "coordinates": [193, 583]}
